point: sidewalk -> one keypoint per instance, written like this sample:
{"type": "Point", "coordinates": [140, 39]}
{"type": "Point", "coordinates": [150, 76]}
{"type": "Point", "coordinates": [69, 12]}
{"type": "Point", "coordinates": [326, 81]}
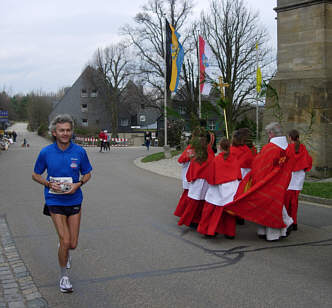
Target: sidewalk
{"type": "Point", "coordinates": [167, 167]}
{"type": "Point", "coordinates": [17, 289]}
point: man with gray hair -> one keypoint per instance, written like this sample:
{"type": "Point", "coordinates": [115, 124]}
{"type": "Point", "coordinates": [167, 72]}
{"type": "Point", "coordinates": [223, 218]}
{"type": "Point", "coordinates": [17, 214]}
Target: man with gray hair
{"type": "Point", "coordinates": [68, 168]}
{"type": "Point", "coordinates": [273, 158]}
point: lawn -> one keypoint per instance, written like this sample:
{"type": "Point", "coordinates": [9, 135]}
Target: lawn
{"type": "Point", "coordinates": [158, 156]}
{"type": "Point", "coordinates": [323, 190]}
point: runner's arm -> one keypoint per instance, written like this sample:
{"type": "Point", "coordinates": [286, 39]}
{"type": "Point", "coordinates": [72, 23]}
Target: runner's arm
{"type": "Point", "coordinates": [85, 178]}
{"type": "Point", "coordinates": [41, 180]}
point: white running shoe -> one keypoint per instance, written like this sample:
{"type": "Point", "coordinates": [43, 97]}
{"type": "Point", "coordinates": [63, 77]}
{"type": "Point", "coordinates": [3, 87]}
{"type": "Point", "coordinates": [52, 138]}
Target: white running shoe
{"type": "Point", "coordinates": [65, 285]}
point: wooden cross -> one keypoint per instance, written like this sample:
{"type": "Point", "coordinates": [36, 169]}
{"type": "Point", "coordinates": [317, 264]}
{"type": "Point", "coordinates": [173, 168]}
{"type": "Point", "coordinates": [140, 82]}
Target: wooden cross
{"type": "Point", "coordinates": [223, 85]}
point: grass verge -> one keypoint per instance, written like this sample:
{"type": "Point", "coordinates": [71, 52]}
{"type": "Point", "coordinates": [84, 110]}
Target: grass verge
{"type": "Point", "coordinates": [323, 190]}
{"type": "Point", "coordinates": [158, 156]}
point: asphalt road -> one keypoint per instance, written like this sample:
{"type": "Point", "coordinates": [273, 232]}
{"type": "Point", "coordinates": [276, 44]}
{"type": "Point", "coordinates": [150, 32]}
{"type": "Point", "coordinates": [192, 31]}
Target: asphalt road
{"type": "Point", "coordinates": [132, 253]}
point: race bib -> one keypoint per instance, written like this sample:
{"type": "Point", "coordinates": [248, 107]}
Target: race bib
{"type": "Point", "coordinates": [64, 184]}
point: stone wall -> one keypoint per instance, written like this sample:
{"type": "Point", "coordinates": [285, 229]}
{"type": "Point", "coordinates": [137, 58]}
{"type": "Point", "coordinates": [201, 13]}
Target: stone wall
{"type": "Point", "coordinates": [304, 77]}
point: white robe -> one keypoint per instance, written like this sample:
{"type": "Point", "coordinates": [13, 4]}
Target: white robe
{"type": "Point", "coordinates": [245, 171]}
{"type": "Point", "coordinates": [297, 180]}
{"type": "Point", "coordinates": [185, 183]}
{"type": "Point", "coordinates": [197, 189]}
{"type": "Point", "coordinates": [222, 194]}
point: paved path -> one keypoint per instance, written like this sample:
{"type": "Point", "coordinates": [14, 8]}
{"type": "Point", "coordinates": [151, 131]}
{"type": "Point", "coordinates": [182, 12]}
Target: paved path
{"type": "Point", "coordinates": [17, 288]}
{"type": "Point", "coordinates": [132, 253]}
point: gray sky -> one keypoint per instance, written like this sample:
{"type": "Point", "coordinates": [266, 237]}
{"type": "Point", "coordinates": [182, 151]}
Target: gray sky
{"type": "Point", "coordinates": [45, 43]}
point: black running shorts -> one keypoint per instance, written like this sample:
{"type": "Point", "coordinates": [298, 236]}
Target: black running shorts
{"type": "Point", "coordinates": [63, 210]}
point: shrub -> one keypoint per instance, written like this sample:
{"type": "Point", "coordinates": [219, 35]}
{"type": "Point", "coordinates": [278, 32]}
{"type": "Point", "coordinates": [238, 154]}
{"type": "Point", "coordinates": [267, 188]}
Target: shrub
{"type": "Point", "coordinates": [42, 130]}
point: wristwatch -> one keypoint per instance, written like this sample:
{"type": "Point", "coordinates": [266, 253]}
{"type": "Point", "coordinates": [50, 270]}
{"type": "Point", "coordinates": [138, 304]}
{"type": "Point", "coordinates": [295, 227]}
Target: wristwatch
{"type": "Point", "coordinates": [82, 183]}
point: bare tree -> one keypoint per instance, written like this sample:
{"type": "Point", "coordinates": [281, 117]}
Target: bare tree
{"type": "Point", "coordinates": [4, 101]}
{"type": "Point", "coordinates": [232, 31]}
{"type": "Point", "coordinates": [113, 69]}
{"type": "Point", "coordinates": [38, 109]}
{"type": "Point", "coordinates": [147, 37]}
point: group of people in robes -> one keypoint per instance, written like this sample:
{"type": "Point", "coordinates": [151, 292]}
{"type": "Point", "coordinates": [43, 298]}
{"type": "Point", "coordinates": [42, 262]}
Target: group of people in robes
{"type": "Point", "coordinates": [238, 184]}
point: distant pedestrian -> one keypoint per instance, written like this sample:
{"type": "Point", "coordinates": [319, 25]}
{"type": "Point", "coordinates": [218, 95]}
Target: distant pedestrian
{"type": "Point", "coordinates": [102, 138]}
{"type": "Point", "coordinates": [147, 140]}
{"type": "Point", "coordinates": [64, 161]}
{"type": "Point", "coordinates": [147, 143]}
{"type": "Point", "coordinates": [14, 134]}
{"type": "Point", "coordinates": [108, 142]}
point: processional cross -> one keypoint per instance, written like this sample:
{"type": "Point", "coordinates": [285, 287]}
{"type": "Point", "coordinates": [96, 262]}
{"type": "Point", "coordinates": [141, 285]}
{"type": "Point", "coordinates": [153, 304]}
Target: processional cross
{"type": "Point", "coordinates": [223, 85]}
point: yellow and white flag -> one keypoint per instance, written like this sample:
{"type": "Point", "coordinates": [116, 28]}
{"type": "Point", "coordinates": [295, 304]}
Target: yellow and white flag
{"type": "Point", "coordinates": [258, 74]}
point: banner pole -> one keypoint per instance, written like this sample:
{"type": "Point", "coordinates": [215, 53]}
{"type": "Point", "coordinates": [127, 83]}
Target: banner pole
{"type": "Point", "coordinates": [199, 81]}
{"type": "Point", "coordinates": [165, 89]}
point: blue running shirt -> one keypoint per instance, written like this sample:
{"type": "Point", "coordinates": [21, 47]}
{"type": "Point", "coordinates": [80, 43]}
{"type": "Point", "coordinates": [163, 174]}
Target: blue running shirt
{"type": "Point", "coordinates": [69, 163]}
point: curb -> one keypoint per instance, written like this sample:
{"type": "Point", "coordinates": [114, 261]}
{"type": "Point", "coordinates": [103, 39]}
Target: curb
{"type": "Point", "coordinates": [314, 199]}
{"type": "Point", "coordinates": [148, 167]}
{"type": "Point", "coordinates": [17, 288]}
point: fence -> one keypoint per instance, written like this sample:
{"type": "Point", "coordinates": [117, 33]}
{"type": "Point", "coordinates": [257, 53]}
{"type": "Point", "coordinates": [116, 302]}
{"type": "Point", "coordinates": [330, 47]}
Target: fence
{"type": "Point", "coordinates": [95, 142]}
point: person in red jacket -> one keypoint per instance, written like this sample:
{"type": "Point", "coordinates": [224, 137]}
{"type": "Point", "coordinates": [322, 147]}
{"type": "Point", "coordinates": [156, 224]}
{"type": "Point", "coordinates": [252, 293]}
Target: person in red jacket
{"type": "Point", "coordinates": [223, 184]}
{"type": "Point", "coordinates": [303, 163]}
{"type": "Point", "coordinates": [197, 176]}
{"type": "Point", "coordinates": [103, 139]}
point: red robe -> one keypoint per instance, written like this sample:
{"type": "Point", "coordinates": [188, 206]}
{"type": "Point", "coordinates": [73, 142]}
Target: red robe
{"type": "Point", "coordinates": [214, 219]}
{"type": "Point", "coordinates": [191, 209]}
{"type": "Point", "coordinates": [260, 197]}
{"type": "Point", "coordinates": [201, 171]}
{"type": "Point", "coordinates": [244, 155]}
{"type": "Point", "coordinates": [303, 161]}
{"type": "Point", "coordinates": [186, 155]}
{"type": "Point", "coordinates": [184, 158]}
{"type": "Point", "coordinates": [224, 171]}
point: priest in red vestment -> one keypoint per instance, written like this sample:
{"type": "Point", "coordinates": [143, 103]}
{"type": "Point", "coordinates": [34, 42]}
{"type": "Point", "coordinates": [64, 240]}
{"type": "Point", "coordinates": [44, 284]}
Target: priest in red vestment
{"type": "Point", "coordinates": [260, 197]}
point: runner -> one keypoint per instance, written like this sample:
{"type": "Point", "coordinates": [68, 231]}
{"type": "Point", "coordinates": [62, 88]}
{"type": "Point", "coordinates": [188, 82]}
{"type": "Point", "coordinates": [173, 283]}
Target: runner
{"type": "Point", "coordinates": [64, 162]}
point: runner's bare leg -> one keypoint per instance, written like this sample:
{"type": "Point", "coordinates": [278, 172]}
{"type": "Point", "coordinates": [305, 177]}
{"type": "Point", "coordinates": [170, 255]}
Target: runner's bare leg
{"type": "Point", "coordinates": [74, 222]}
